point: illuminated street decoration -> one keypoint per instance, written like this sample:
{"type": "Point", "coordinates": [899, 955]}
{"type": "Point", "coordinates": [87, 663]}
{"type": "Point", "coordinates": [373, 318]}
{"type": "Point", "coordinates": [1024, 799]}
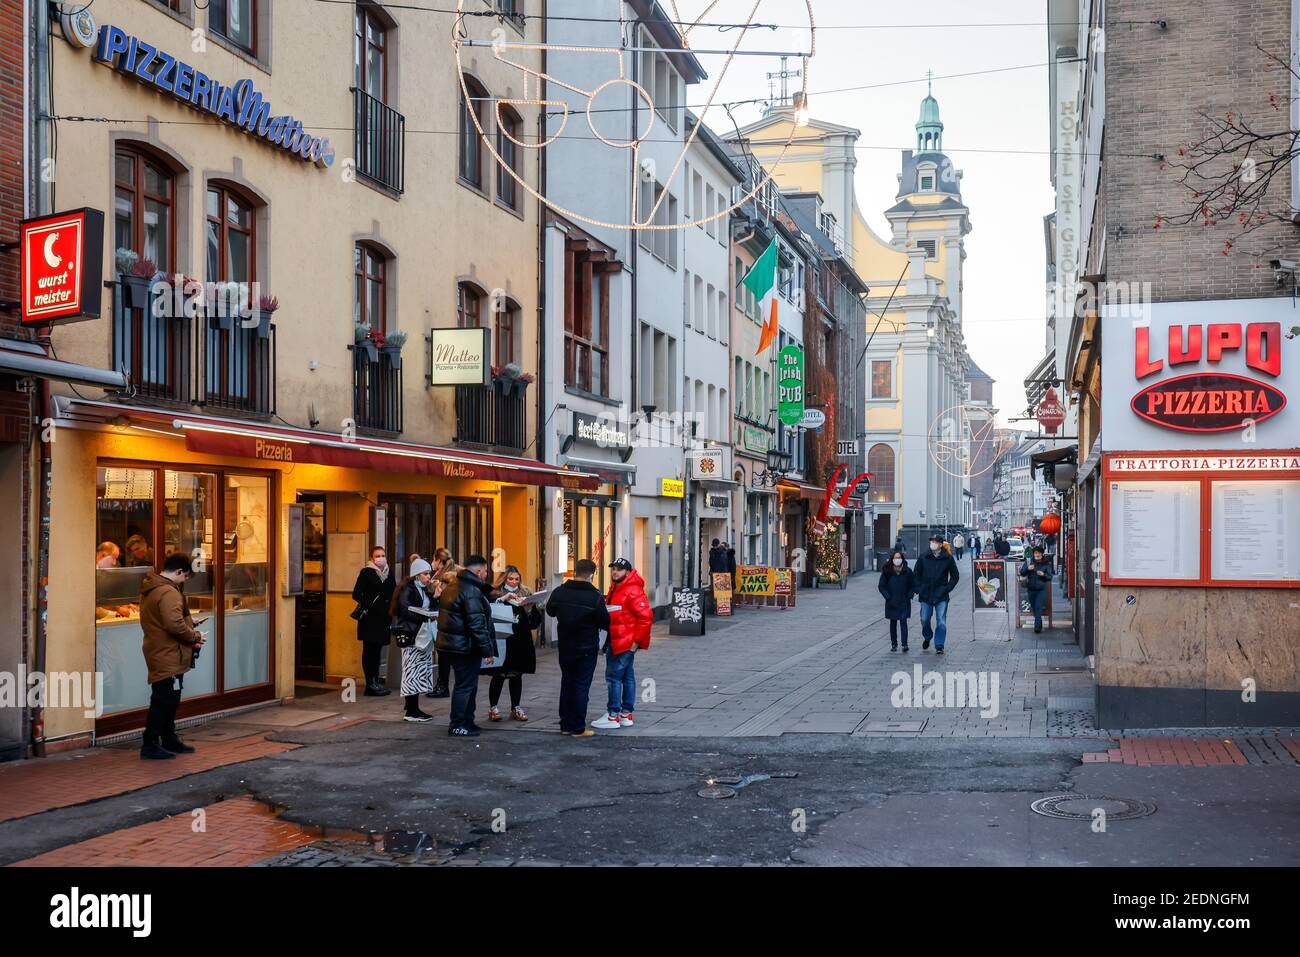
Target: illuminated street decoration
{"type": "Point", "coordinates": [533, 78]}
{"type": "Point", "coordinates": [955, 443]}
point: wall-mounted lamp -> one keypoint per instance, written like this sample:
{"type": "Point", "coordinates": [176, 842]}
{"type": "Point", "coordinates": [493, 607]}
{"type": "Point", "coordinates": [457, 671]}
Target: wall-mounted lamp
{"type": "Point", "coordinates": [567, 444]}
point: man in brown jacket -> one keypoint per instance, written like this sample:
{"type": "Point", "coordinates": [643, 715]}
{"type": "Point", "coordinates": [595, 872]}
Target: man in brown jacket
{"type": "Point", "coordinates": [170, 643]}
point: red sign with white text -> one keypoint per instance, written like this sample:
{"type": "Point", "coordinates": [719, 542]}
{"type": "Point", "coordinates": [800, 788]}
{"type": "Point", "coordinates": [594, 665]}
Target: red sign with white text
{"type": "Point", "coordinates": [1051, 413]}
{"type": "Point", "coordinates": [62, 267]}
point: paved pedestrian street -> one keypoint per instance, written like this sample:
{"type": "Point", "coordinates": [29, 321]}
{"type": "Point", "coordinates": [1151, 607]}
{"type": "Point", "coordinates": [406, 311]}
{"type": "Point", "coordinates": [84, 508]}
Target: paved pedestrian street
{"type": "Point", "coordinates": [793, 716]}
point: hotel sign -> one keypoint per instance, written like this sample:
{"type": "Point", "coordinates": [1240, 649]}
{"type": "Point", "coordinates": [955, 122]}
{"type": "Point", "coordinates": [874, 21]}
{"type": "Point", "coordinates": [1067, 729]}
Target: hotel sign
{"type": "Point", "coordinates": [240, 105]}
{"type": "Point", "coordinates": [458, 357]}
{"type": "Point", "coordinates": [62, 267]}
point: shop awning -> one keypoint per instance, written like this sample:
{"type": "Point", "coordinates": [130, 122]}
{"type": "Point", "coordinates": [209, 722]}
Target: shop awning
{"type": "Point", "coordinates": [28, 360]}
{"type": "Point", "coordinates": [802, 489]}
{"type": "Point", "coordinates": [605, 471]}
{"type": "Point", "coordinates": [286, 445]}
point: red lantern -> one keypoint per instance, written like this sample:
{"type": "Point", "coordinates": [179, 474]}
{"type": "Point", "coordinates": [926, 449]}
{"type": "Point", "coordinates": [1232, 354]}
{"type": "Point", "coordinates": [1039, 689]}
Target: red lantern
{"type": "Point", "coordinates": [1050, 524]}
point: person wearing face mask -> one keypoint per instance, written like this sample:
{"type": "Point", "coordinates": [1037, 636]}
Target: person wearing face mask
{"type": "Point", "coordinates": [414, 636]}
{"type": "Point", "coordinates": [898, 585]}
{"type": "Point", "coordinates": [936, 576]}
{"type": "Point", "coordinates": [1036, 572]}
{"type": "Point", "coordinates": [521, 655]}
{"type": "Point", "coordinates": [373, 593]}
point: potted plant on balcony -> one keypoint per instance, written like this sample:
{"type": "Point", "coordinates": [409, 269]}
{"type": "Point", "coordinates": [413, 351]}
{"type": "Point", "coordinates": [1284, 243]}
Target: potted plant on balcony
{"type": "Point", "coordinates": [391, 346]}
{"type": "Point", "coordinates": [366, 340]}
{"type": "Point", "coordinates": [136, 278]}
{"type": "Point", "coordinates": [224, 303]}
{"type": "Point", "coordinates": [266, 307]}
{"type": "Point", "coordinates": [510, 380]}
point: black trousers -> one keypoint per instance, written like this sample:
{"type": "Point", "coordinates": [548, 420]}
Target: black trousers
{"type": "Point", "coordinates": [575, 688]}
{"type": "Point", "coordinates": [370, 652]}
{"type": "Point", "coordinates": [160, 722]}
{"type": "Point", "coordinates": [465, 694]}
{"type": "Point", "coordinates": [894, 625]}
{"type": "Point", "coordinates": [444, 669]}
{"type": "Point", "coordinates": [516, 690]}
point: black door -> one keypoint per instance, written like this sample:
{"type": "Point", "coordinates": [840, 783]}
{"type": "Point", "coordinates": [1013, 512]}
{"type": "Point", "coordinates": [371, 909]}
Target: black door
{"type": "Point", "coordinates": [310, 630]}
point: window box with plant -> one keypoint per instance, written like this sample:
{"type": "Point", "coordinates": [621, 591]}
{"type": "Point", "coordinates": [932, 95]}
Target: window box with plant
{"type": "Point", "coordinates": [136, 275]}
{"type": "Point", "coordinates": [391, 346]}
{"type": "Point", "coordinates": [266, 307]}
{"type": "Point", "coordinates": [510, 380]}
{"type": "Point", "coordinates": [367, 341]}
{"type": "Point", "coordinates": [224, 302]}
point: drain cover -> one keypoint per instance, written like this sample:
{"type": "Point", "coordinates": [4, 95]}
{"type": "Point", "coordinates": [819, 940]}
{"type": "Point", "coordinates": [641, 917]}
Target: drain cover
{"type": "Point", "coordinates": [716, 792]}
{"type": "Point", "coordinates": [1080, 807]}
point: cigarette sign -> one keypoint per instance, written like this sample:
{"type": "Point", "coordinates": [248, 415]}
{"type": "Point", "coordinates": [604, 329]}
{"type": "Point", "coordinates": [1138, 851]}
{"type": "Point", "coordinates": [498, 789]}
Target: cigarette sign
{"type": "Point", "coordinates": [62, 266]}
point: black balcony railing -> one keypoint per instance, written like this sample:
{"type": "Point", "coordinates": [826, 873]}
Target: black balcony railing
{"type": "Point", "coordinates": [485, 416]}
{"type": "Point", "coordinates": [380, 141]}
{"type": "Point", "coordinates": [376, 391]}
{"type": "Point", "coordinates": [181, 357]}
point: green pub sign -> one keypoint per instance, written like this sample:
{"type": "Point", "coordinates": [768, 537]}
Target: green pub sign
{"type": "Point", "coordinates": [789, 385]}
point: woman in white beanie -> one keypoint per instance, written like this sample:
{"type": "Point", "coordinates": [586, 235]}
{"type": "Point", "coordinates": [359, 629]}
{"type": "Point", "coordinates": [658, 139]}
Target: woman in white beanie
{"type": "Point", "coordinates": [414, 633]}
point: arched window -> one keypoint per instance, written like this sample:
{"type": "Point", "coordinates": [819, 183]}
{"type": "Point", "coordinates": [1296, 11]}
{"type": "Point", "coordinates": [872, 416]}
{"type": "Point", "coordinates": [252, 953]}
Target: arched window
{"type": "Point", "coordinates": [231, 236]}
{"type": "Point", "coordinates": [143, 216]}
{"type": "Point", "coordinates": [471, 143]}
{"type": "Point", "coordinates": [880, 463]}
{"type": "Point", "coordinates": [469, 307]}
{"type": "Point", "coordinates": [508, 126]}
{"type": "Point", "coordinates": [370, 306]}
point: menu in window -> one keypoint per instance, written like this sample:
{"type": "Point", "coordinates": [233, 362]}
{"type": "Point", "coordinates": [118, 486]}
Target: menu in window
{"type": "Point", "coordinates": [1155, 530]}
{"type": "Point", "coordinates": [1255, 531]}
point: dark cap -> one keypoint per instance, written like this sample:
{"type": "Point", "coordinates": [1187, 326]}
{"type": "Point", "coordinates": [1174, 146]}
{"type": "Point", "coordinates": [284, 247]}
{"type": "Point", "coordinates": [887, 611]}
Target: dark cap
{"type": "Point", "coordinates": [622, 563]}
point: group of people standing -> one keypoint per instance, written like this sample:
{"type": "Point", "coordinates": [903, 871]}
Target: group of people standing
{"type": "Point", "coordinates": [443, 610]}
{"type": "Point", "coordinates": [931, 580]}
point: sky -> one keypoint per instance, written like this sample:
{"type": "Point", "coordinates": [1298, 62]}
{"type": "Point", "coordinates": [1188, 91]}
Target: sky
{"type": "Point", "coordinates": [995, 131]}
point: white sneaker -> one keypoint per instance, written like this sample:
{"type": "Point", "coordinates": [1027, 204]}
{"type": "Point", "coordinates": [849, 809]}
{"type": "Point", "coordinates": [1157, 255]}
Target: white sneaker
{"type": "Point", "coordinates": [625, 720]}
{"type": "Point", "coordinates": [606, 723]}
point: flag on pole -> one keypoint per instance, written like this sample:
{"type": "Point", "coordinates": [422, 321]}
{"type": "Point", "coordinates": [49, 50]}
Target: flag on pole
{"type": "Point", "coordinates": [761, 281]}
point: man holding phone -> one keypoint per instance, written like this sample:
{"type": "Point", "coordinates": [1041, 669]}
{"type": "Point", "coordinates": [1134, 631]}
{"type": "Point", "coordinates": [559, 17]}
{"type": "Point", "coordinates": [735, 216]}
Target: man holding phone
{"type": "Point", "coordinates": [171, 643]}
{"type": "Point", "coordinates": [1036, 572]}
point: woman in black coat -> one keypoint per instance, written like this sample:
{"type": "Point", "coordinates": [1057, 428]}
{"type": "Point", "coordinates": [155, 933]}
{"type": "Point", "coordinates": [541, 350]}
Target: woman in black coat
{"type": "Point", "coordinates": [373, 593]}
{"type": "Point", "coordinates": [521, 653]}
{"type": "Point", "coordinates": [898, 585]}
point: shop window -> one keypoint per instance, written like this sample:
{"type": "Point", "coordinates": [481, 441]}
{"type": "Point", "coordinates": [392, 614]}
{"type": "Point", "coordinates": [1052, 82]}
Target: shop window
{"type": "Point", "coordinates": [880, 463]}
{"type": "Point", "coordinates": [508, 129]}
{"type": "Point", "coordinates": [469, 307]}
{"type": "Point", "coordinates": [233, 19]}
{"type": "Point", "coordinates": [246, 604]}
{"type": "Point", "coordinates": [468, 530]}
{"type": "Point", "coordinates": [144, 219]}
{"type": "Point", "coordinates": [471, 143]}
{"type": "Point", "coordinates": [370, 297]}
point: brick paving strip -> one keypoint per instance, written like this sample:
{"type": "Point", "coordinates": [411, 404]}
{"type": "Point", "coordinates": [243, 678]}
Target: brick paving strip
{"type": "Point", "coordinates": [235, 833]}
{"type": "Point", "coordinates": [1198, 752]}
{"type": "Point", "coordinates": [29, 787]}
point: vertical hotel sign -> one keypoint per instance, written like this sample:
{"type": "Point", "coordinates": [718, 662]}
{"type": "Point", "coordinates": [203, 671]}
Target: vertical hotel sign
{"type": "Point", "coordinates": [62, 267]}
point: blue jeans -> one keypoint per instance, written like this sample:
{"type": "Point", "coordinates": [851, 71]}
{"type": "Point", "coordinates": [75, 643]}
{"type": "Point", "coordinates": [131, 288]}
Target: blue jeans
{"type": "Point", "coordinates": [620, 676]}
{"type": "Point", "coordinates": [940, 611]}
{"type": "Point", "coordinates": [1038, 601]}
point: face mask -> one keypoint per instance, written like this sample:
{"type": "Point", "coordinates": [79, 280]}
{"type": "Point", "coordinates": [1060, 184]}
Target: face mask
{"type": "Point", "coordinates": [381, 562]}
{"type": "Point", "coordinates": [935, 548]}
{"type": "Point", "coordinates": [510, 587]}
{"type": "Point", "coordinates": [897, 562]}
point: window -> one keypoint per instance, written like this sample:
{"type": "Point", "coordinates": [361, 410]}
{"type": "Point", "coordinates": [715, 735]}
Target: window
{"type": "Point", "coordinates": [508, 127]}
{"type": "Point", "coordinates": [233, 19]}
{"type": "Point", "coordinates": [469, 307]}
{"type": "Point", "coordinates": [471, 144]}
{"type": "Point", "coordinates": [586, 319]}
{"type": "Point", "coordinates": [370, 42]}
{"type": "Point", "coordinates": [882, 379]}
{"type": "Point", "coordinates": [927, 182]}
{"type": "Point", "coordinates": [880, 463]}
{"type": "Point", "coordinates": [370, 306]}
{"type": "Point", "coordinates": [230, 236]}
{"type": "Point", "coordinates": [507, 323]}
{"type": "Point", "coordinates": [143, 219]}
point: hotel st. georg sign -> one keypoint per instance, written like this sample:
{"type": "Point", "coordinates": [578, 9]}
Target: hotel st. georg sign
{"type": "Point", "coordinates": [62, 267]}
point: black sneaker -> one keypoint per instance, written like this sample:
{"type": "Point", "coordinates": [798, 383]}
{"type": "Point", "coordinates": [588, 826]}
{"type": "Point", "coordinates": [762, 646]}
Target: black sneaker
{"type": "Point", "coordinates": [925, 644]}
{"type": "Point", "coordinates": [1038, 631]}
{"type": "Point", "coordinates": [905, 649]}
{"type": "Point", "coordinates": [893, 646]}
{"type": "Point", "coordinates": [176, 746]}
{"type": "Point", "coordinates": [376, 691]}
{"type": "Point", "coordinates": [154, 751]}
{"type": "Point", "coordinates": [938, 651]}
{"type": "Point", "coordinates": [418, 716]}
{"type": "Point", "coordinates": [439, 692]}
{"type": "Point", "coordinates": [463, 732]}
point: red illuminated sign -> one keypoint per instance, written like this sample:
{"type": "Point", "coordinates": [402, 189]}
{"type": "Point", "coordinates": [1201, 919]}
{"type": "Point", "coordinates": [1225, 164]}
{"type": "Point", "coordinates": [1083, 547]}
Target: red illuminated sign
{"type": "Point", "coordinates": [1187, 344]}
{"type": "Point", "coordinates": [1208, 402]}
{"type": "Point", "coordinates": [62, 267]}
{"type": "Point", "coordinates": [1051, 413]}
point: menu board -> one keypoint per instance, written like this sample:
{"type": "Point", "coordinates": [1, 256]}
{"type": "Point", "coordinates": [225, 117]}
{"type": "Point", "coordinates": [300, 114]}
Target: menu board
{"type": "Point", "coordinates": [1256, 531]}
{"type": "Point", "coordinates": [1155, 530]}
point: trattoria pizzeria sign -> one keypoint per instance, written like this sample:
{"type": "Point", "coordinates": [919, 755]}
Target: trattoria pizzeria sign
{"type": "Point", "coordinates": [1203, 374]}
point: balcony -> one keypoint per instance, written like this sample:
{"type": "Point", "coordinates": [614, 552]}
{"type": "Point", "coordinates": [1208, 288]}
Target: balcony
{"type": "Point", "coordinates": [485, 417]}
{"type": "Point", "coordinates": [376, 391]}
{"type": "Point", "coordinates": [380, 141]}
{"type": "Point", "coordinates": [182, 358]}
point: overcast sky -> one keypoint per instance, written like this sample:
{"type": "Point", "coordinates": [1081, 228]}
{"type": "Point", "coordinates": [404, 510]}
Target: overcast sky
{"type": "Point", "coordinates": [995, 131]}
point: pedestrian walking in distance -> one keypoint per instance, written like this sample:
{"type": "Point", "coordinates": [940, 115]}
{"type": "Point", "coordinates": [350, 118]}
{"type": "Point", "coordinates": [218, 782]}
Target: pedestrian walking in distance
{"type": "Point", "coordinates": [630, 618]}
{"type": "Point", "coordinates": [936, 576]}
{"type": "Point", "coordinates": [373, 594]}
{"type": "Point", "coordinates": [959, 544]}
{"type": "Point", "coordinates": [414, 634]}
{"type": "Point", "coordinates": [521, 653]}
{"type": "Point", "coordinates": [898, 585]}
{"type": "Point", "coordinates": [466, 639]}
{"type": "Point", "coordinates": [717, 557]}
{"type": "Point", "coordinates": [1036, 572]}
{"type": "Point", "coordinates": [171, 643]}
{"type": "Point", "coordinates": [580, 615]}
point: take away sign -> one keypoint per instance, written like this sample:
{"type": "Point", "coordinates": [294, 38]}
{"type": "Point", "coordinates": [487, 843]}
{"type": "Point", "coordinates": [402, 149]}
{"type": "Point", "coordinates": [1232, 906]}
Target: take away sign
{"type": "Point", "coordinates": [62, 267]}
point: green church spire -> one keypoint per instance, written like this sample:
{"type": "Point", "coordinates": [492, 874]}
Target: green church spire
{"type": "Point", "coordinates": [929, 128]}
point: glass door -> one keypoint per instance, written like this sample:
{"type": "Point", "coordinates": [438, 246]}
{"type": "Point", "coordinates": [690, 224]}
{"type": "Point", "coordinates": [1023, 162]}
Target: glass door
{"type": "Point", "coordinates": [469, 528]}
{"type": "Point", "coordinates": [309, 635]}
{"type": "Point", "coordinates": [246, 581]}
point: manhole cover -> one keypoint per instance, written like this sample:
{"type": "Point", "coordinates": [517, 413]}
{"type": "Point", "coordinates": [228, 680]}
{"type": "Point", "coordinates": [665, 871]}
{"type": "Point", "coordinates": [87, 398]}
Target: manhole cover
{"type": "Point", "coordinates": [716, 792]}
{"type": "Point", "coordinates": [1080, 807]}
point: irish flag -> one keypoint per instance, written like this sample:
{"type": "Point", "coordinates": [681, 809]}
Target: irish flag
{"type": "Point", "coordinates": [761, 281]}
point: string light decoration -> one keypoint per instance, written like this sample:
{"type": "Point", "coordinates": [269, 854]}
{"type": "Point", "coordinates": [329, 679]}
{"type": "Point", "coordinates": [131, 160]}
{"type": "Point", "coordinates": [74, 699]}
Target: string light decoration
{"type": "Point", "coordinates": [461, 39]}
{"type": "Point", "coordinates": [957, 450]}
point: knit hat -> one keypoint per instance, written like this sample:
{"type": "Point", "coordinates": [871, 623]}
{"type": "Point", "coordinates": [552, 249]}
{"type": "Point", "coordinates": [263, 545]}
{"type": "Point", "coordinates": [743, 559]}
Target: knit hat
{"type": "Point", "coordinates": [419, 566]}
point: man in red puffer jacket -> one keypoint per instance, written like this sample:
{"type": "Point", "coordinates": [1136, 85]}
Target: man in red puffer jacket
{"type": "Point", "coordinates": [629, 630]}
